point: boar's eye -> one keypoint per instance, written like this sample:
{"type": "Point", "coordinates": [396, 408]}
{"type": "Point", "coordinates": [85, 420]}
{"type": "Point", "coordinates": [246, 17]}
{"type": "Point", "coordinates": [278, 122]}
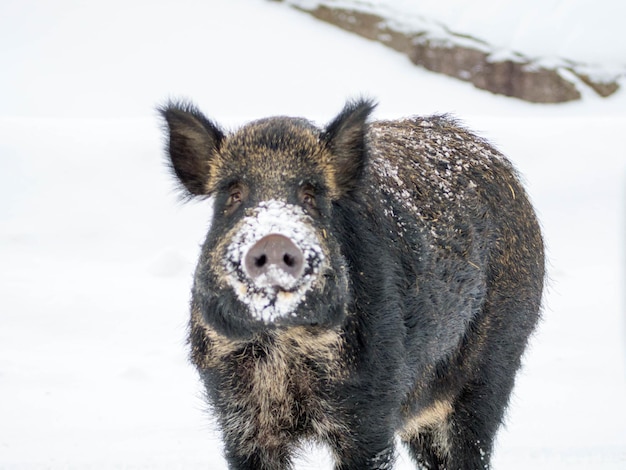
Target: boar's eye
{"type": "Point", "coordinates": [237, 193]}
{"type": "Point", "coordinates": [306, 195]}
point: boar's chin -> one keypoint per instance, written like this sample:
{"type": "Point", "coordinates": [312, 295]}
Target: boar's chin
{"type": "Point", "coordinates": [269, 304]}
{"type": "Point", "coordinates": [323, 307]}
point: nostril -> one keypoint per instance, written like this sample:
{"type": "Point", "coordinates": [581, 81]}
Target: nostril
{"type": "Point", "coordinates": [260, 261]}
{"type": "Point", "coordinates": [289, 260]}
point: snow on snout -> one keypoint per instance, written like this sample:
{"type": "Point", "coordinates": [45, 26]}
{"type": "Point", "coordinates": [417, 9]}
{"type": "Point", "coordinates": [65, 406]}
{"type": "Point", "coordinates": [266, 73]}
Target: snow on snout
{"type": "Point", "coordinates": [275, 276]}
{"type": "Point", "coordinates": [275, 293]}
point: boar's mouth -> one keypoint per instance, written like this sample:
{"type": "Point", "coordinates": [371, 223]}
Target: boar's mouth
{"type": "Point", "coordinates": [273, 260]}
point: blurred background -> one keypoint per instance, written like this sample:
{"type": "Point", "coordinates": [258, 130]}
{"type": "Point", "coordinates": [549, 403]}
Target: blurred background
{"type": "Point", "coordinates": [97, 252]}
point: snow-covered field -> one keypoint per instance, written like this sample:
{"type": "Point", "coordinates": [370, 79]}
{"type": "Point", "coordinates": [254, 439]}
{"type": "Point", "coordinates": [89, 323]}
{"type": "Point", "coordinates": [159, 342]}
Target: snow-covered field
{"type": "Point", "coordinates": [96, 252]}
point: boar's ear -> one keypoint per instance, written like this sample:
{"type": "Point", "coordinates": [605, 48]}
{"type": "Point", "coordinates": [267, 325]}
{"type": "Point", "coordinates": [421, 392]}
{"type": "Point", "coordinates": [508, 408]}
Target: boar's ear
{"type": "Point", "coordinates": [193, 145]}
{"type": "Point", "coordinates": [345, 139]}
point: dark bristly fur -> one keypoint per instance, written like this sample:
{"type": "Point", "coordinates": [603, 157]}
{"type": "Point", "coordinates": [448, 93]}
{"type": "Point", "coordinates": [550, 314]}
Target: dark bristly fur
{"type": "Point", "coordinates": [415, 328]}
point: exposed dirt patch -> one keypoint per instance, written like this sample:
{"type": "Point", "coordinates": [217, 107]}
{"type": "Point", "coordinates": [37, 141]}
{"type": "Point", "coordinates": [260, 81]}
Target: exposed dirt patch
{"type": "Point", "coordinates": [468, 59]}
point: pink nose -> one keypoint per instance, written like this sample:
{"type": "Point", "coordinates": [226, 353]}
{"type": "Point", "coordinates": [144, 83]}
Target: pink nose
{"type": "Point", "coordinates": [274, 261]}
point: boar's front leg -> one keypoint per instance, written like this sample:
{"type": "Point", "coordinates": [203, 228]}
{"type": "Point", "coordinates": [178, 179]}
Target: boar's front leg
{"type": "Point", "coordinates": [367, 448]}
{"type": "Point", "coordinates": [367, 460]}
{"type": "Point", "coordinates": [252, 441]}
{"type": "Point", "coordinates": [257, 458]}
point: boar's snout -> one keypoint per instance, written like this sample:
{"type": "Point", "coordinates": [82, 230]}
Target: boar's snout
{"type": "Point", "coordinates": [274, 261]}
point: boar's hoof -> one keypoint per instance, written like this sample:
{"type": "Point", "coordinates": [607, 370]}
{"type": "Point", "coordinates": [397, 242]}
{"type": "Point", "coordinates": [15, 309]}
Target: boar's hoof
{"type": "Point", "coordinates": [274, 261]}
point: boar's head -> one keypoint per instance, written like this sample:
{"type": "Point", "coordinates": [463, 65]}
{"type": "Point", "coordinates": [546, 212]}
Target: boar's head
{"type": "Point", "coordinates": [273, 256]}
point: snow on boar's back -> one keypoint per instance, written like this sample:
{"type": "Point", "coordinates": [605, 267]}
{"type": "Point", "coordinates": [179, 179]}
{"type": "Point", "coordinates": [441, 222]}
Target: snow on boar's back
{"type": "Point", "coordinates": [359, 282]}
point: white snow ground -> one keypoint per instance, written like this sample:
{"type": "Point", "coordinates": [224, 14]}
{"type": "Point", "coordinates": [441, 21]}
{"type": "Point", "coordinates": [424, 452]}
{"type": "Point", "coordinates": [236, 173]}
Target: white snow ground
{"type": "Point", "coordinates": [96, 253]}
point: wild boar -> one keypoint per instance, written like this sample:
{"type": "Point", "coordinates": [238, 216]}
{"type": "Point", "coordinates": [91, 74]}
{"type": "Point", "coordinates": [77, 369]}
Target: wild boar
{"type": "Point", "coordinates": [359, 282]}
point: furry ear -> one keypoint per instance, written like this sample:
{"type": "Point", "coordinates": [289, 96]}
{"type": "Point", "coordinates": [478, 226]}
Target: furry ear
{"type": "Point", "coordinates": [193, 145]}
{"type": "Point", "coordinates": [344, 137]}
